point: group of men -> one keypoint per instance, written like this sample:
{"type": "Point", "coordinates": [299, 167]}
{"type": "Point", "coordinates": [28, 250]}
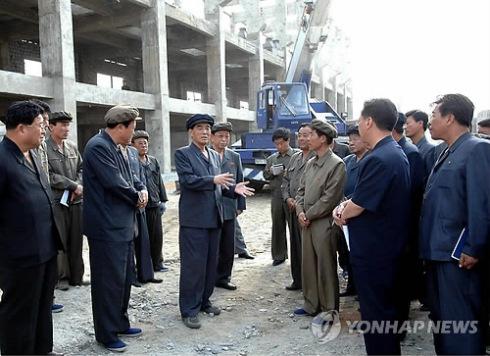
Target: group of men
{"type": "Point", "coordinates": [394, 211]}
{"type": "Point", "coordinates": [43, 187]}
{"type": "Point", "coordinates": [386, 206]}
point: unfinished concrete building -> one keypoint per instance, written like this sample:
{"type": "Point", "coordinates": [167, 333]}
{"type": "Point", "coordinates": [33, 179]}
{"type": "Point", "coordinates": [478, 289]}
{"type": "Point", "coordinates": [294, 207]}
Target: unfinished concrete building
{"type": "Point", "coordinates": [170, 59]}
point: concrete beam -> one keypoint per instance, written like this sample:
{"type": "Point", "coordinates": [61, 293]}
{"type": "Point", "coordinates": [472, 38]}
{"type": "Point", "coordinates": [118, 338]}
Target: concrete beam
{"type": "Point", "coordinates": [155, 80]}
{"type": "Point", "coordinates": [101, 23]}
{"type": "Point", "coordinates": [93, 94]}
{"type": "Point", "coordinates": [240, 43]}
{"type": "Point", "coordinates": [256, 74]}
{"type": "Point", "coordinates": [57, 54]}
{"type": "Point", "coordinates": [216, 61]}
{"type": "Point", "coordinates": [97, 6]}
{"type": "Point", "coordinates": [21, 84]}
{"type": "Point", "coordinates": [190, 21]}
{"type": "Point", "coordinates": [272, 59]}
{"type": "Point", "coordinates": [180, 106]}
{"type": "Point", "coordinates": [240, 114]}
{"type": "Point", "coordinates": [143, 3]}
{"type": "Point", "coordinates": [19, 12]}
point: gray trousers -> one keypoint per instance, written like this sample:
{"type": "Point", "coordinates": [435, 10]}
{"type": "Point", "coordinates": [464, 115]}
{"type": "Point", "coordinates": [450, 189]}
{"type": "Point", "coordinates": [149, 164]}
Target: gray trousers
{"type": "Point", "coordinates": [240, 245]}
{"type": "Point", "coordinates": [280, 215]}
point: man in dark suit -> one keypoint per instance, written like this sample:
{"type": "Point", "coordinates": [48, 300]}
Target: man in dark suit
{"type": "Point", "coordinates": [28, 237]}
{"type": "Point", "coordinates": [109, 221]}
{"type": "Point", "coordinates": [455, 211]}
{"type": "Point", "coordinates": [200, 217]}
{"type": "Point", "coordinates": [230, 163]}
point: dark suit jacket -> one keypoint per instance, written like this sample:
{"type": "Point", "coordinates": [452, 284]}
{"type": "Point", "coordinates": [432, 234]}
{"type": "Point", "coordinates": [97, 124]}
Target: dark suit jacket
{"type": "Point", "coordinates": [201, 203]}
{"type": "Point", "coordinates": [231, 163]}
{"type": "Point", "coordinates": [457, 196]}
{"type": "Point", "coordinates": [109, 196]}
{"type": "Point", "coordinates": [28, 234]}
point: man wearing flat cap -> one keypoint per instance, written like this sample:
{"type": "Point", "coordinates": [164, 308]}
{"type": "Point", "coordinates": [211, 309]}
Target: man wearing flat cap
{"type": "Point", "coordinates": [109, 221]}
{"type": "Point", "coordinates": [157, 197]}
{"type": "Point", "coordinates": [201, 218]}
{"type": "Point", "coordinates": [230, 163]}
{"type": "Point", "coordinates": [320, 190]}
{"type": "Point", "coordinates": [65, 177]}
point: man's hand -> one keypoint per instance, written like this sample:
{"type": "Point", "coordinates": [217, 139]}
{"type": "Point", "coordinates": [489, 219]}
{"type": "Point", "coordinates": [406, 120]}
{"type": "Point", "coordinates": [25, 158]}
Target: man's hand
{"type": "Point", "coordinates": [162, 207]}
{"type": "Point", "coordinates": [303, 221]}
{"type": "Point", "coordinates": [243, 190]}
{"type": "Point", "coordinates": [142, 199]}
{"type": "Point", "coordinates": [225, 180]}
{"type": "Point", "coordinates": [238, 212]}
{"type": "Point", "coordinates": [78, 192]}
{"type": "Point", "coordinates": [337, 215]}
{"type": "Point", "coordinates": [467, 262]}
{"type": "Point", "coordinates": [291, 204]}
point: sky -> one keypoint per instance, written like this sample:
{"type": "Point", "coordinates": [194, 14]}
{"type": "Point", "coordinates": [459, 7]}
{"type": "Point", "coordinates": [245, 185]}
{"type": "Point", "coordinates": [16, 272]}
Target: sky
{"type": "Point", "coordinates": [412, 51]}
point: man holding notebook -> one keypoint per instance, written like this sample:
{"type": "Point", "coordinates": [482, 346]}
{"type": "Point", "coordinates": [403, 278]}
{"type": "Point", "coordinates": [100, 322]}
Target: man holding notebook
{"type": "Point", "coordinates": [456, 204]}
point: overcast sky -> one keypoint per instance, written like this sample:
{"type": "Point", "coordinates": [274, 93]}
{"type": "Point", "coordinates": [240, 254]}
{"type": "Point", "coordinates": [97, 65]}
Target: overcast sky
{"type": "Point", "coordinates": [411, 51]}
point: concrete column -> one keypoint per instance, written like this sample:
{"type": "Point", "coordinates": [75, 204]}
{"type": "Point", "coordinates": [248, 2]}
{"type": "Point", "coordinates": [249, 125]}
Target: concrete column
{"type": "Point", "coordinates": [333, 101]}
{"type": "Point", "coordinates": [216, 68]}
{"type": "Point", "coordinates": [4, 55]}
{"type": "Point", "coordinates": [155, 81]}
{"type": "Point", "coordinates": [57, 55]}
{"type": "Point", "coordinates": [255, 78]}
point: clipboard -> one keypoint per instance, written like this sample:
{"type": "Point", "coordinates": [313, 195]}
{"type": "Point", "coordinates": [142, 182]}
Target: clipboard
{"type": "Point", "coordinates": [458, 248]}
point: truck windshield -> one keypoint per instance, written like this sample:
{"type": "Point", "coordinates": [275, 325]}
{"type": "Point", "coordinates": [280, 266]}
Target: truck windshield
{"type": "Point", "coordinates": [293, 99]}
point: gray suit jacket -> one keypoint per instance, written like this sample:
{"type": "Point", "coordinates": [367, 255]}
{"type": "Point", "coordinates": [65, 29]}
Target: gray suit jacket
{"type": "Point", "coordinates": [231, 163]}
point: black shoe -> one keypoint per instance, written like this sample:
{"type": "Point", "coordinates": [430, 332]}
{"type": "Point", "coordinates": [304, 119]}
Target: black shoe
{"type": "Point", "coordinates": [210, 309]}
{"type": "Point", "coordinates": [246, 255]}
{"type": "Point", "coordinates": [154, 280]}
{"type": "Point", "coordinates": [226, 285]}
{"type": "Point", "coordinates": [277, 262]}
{"type": "Point", "coordinates": [136, 284]}
{"type": "Point", "coordinates": [293, 286]}
{"type": "Point", "coordinates": [160, 268]}
{"type": "Point", "coordinates": [192, 322]}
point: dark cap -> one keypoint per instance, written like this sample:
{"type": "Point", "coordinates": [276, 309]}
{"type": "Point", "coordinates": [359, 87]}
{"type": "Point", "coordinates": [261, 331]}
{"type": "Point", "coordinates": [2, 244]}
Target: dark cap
{"type": "Point", "coordinates": [121, 113]}
{"type": "Point", "coordinates": [222, 126]}
{"type": "Point", "coordinates": [324, 127]}
{"type": "Point", "coordinates": [353, 130]}
{"type": "Point", "coordinates": [400, 122]}
{"type": "Point", "coordinates": [60, 116]}
{"type": "Point", "coordinates": [198, 118]}
{"type": "Point", "coordinates": [140, 134]}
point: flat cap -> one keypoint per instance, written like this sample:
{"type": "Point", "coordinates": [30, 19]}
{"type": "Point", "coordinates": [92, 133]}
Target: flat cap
{"type": "Point", "coordinates": [353, 130]}
{"type": "Point", "coordinates": [222, 126]}
{"type": "Point", "coordinates": [121, 113]}
{"type": "Point", "coordinates": [324, 127]}
{"type": "Point", "coordinates": [198, 118]}
{"type": "Point", "coordinates": [60, 116]}
{"type": "Point", "coordinates": [140, 134]}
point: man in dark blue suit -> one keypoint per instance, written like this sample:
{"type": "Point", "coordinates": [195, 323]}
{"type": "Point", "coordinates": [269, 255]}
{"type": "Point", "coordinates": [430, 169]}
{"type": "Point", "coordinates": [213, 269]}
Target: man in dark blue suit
{"type": "Point", "coordinates": [29, 238]}
{"type": "Point", "coordinates": [411, 280]}
{"type": "Point", "coordinates": [456, 203]}
{"type": "Point", "coordinates": [200, 217]}
{"type": "Point", "coordinates": [377, 216]}
{"type": "Point", "coordinates": [230, 163]}
{"type": "Point", "coordinates": [109, 219]}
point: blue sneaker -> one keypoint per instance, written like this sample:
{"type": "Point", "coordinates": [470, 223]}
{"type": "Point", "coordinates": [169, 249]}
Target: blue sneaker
{"type": "Point", "coordinates": [57, 308]}
{"type": "Point", "coordinates": [132, 332]}
{"type": "Point", "coordinates": [116, 346]}
{"type": "Point", "coordinates": [301, 312]}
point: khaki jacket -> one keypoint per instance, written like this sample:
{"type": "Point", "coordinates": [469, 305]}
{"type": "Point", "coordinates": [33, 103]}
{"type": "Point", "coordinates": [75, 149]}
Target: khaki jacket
{"type": "Point", "coordinates": [65, 167]}
{"type": "Point", "coordinates": [321, 188]}
{"type": "Point", "coordinates": [276, 181]}
{"type": "Point", "coordinates": [293, 173]}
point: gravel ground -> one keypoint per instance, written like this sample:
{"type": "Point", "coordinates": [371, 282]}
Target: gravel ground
{"type": "Point", "coordinates": [257, 317]}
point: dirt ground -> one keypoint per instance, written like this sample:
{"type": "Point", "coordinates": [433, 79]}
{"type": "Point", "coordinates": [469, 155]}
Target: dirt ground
{"type": "Point", "coordinates": [256, 319]}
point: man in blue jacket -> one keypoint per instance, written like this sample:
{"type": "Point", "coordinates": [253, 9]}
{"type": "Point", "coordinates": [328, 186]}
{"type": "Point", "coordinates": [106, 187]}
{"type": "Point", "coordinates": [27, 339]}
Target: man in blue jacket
{"type": "Point", "coordinates": [200, 217]}
{"type": "Point", "coordinates": [109, 219]}
{"type": "Point", "coordinates": [230, 163]}
{"type": "Point", "coordinates": [456, 203]}
{"type": "Point", "coordinates": [29, 238]}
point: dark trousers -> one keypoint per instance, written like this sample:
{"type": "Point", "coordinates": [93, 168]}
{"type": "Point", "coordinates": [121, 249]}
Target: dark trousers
{"type": "Point", "coordinates": [376, 288]}
{"type": "Point", "coordinates": [111, 276]}
{"type": "Point", "coordinates": [144, 265]}
{"type": "Point", "coordinates": [26, 322]}
{"type": "Point", "coordinates": [240, 245]}
{"type": "Point", "coordinates": [344, 263]}
{"type": "Point", "coordinates": [198, 262]}
{"type": "Point", "coordinates": [455, 295]}
{"type": "Point", "coordinates": [69, 221]}
{"type": "Point", "coordinates": [226, 254]}
{"type": "Point", "coordinates": [296, 250]}
{"type": "Point", "coordinates": [279, 245]}
{"type": "Point", "coordinates": [155, 232]}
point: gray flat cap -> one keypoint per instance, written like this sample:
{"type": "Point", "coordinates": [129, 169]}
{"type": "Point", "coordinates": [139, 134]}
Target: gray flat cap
{"type": "Point", "coordinates": [324, 127]}
{"type": "Point", "coordinates": [121, 113]}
